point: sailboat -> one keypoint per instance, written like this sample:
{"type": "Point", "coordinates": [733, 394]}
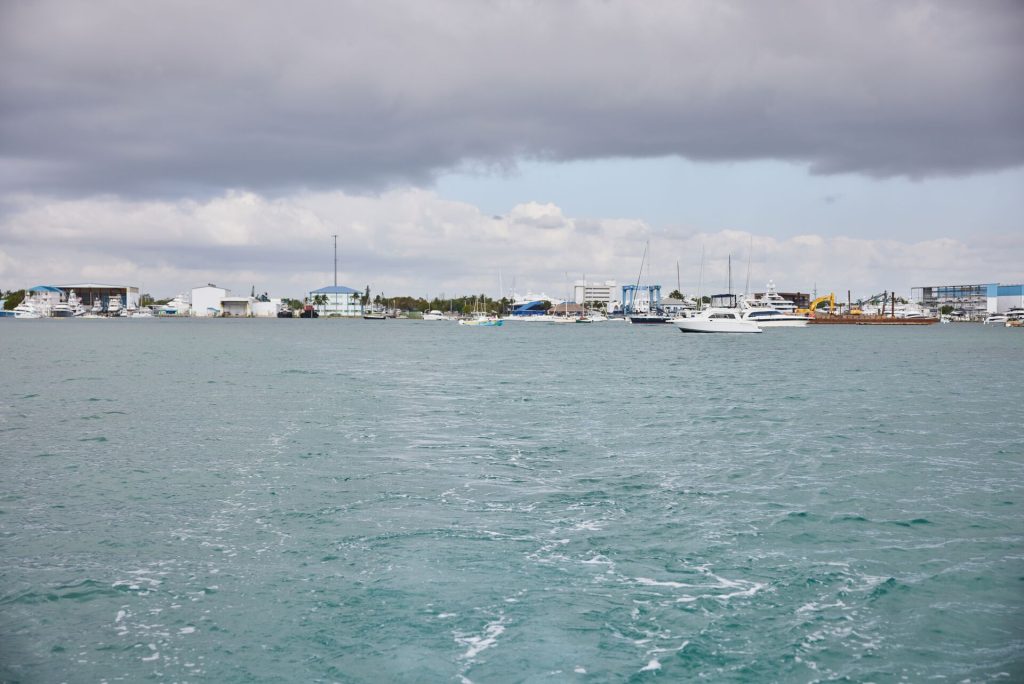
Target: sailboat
{"type": "Point", "coordinates": [481, 319]}
{"type": "Point", "coordinates": [373, 313]}
{"type": "Point", "coordinates": [651, 315]}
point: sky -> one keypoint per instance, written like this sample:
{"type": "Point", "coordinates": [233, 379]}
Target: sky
{"type": "Point", "coordinates": [459, 146]}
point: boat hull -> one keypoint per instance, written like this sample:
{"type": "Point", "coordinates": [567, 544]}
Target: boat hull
{"type": "Point", "coordinates": [483, 324]}
{"type": "Point", "coordinates": [716, 326]}
{"type": "Point", "coordinates": [789, 323]}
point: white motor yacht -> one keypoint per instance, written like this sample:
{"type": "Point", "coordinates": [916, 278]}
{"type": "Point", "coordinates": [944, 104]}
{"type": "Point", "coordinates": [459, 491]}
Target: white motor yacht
{"type": "Point", "coordinates": [773, 318]}
{"type": "Point", "coordinates": [75, 302]}
{"type": "Point", "coordinates": [716, 320]}
{"type": "Point", "coordinates": [62, 310]}
{"type": "Point", "coordinates": [995, 319]}
{"type": "Point", "coordinates": [114, 305]}
{"type": "Point", "coordinates": [28, 309]}
{"type": "Point", "coordinates": [435, 315]}
{"type": "Point", "coordinates": [770, 299]}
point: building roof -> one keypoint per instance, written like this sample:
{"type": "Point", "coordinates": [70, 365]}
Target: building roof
{"type": "Point", "coordinates": [44, 288]}
{"type": "Point", "coordinates": [335, 289]}
{"type": "Point", "coordinates": [99, 286]}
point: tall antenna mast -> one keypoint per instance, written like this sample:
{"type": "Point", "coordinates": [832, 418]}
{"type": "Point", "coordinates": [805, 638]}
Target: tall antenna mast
{"type": "Point", "coordinates": [335, 261]}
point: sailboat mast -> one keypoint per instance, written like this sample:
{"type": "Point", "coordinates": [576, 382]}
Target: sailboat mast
{"type": "Point", "coordinates": [632, 302]}
{"type": "Point", "coordinates": [335, 261]}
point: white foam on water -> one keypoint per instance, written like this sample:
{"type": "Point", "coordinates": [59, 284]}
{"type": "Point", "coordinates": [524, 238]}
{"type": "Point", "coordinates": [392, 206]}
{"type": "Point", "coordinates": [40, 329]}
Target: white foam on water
{"type": "Point", "coordinates": [579, 669]}
{"type": "Point", "coordinates": [651, 666]}
{"type": "Point", "coordinates": [476, 644]}
{"type": "Point", "coordinates": [648, 582]}
{"type": "Point", "coordinates": [589, 525]}
{"type": "Point", "coordinates": [187, 630]}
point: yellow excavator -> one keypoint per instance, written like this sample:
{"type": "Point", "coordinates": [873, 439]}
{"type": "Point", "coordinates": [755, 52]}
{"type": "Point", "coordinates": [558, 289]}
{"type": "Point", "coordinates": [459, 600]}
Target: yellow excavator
{"type": "Point", "coordinates": [830, 298]}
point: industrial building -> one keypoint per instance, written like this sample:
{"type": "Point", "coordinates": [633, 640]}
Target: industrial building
{"type": "Point", "coordinates": [91, 293]}
{"type": "Point", "coordinates": [970, 301]}
{"type": "Point", "coordinates": [206, 300]}
{"type": "Point", "coordinates": [341, 301]}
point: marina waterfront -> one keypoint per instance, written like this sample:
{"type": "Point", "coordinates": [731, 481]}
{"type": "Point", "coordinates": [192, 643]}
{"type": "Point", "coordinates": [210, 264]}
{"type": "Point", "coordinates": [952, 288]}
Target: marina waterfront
{"type": "Point", "coordinates": [257, 500]}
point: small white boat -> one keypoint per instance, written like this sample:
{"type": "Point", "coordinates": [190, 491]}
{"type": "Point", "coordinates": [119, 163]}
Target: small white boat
{"type": "Point", "coordinates": [716, 320]}
{"type": "Point", "coordinates": [995, 319]}
{"type": "Point", "coordinates": [435, 315]}
{"type": "Point", "coordinates": [773, 318]}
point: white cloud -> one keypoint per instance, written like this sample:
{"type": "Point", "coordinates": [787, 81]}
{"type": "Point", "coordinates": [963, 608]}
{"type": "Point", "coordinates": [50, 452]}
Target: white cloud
{"type": "Point", "coordinates": [411, 241]}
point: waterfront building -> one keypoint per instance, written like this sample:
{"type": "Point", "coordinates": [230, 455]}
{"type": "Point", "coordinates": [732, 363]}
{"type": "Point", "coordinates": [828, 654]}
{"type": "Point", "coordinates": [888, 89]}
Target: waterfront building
{"type": "Point", "coordinates": [236, 307]}
{"type": "Point", "coordinates": [341, 301]}
{"type": "Point", "coordinates": [89, 294]}
{"type": "Point", "coordinates": [266, 307]}
{"type": "Point", "coordinates": [974, 301]}
{"type": "Point", "coordinates": [676, 307]}
{"type": "Point", "coordinates": [589, 294]}
{"type": "Point", "coordinates": [45, 296]}
{"type": "Point", "coordinates": [567, 309]}
{"type": "Point", "coordinates": [206, 300]}
{"type": "Point", "coordinates": [1002, 298]}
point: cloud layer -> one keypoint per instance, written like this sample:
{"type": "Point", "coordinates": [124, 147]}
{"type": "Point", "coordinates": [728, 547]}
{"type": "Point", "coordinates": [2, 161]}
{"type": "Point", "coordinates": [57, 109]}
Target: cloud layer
{"type": "Point", "coordinates": [411, 241]}
{"type": "Point", "coordinates": [179, 98]}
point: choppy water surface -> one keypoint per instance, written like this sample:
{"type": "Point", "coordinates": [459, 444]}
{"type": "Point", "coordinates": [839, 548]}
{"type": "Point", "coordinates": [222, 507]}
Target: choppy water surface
{"type": "Point", "coordinates": [236, 501]}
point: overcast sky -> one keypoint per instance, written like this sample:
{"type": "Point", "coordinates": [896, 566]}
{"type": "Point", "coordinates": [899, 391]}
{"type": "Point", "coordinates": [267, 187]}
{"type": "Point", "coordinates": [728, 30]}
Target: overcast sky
{"type": "Point", "coordinates": [854, 145]}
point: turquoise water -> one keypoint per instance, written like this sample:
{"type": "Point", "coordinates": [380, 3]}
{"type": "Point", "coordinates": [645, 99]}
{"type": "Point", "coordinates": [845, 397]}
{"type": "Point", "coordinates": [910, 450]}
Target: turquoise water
{"type": "Point", "coordinates": [245, 500]}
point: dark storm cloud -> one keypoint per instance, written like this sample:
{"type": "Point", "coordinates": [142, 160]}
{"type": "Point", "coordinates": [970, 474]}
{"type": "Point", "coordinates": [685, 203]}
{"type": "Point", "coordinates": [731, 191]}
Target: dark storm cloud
{"type": "Point", "coordinates": [182, 98]}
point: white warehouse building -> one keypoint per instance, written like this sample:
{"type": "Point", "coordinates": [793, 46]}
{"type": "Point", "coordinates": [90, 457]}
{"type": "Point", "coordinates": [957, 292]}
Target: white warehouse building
{"type": "Point", "coordinates": [207, 300]}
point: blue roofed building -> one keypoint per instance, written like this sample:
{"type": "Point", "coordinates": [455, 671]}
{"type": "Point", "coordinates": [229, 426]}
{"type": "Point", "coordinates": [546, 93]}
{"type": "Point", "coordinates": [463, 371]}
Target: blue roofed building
{"type": "Point", "coordinates": [341, 301]}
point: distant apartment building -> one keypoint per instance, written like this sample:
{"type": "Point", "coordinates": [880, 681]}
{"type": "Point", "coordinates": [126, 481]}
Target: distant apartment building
{"type": "Point", "coordinates": [602, 294]}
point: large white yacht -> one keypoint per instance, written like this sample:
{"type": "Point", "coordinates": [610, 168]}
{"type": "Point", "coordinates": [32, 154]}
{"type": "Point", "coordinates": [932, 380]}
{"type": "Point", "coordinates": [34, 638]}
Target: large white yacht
{"type": "Point", "coordinates": [28, 308]}
{"type": "Point", "coordinates": [771, 299]}
{"type": "Point", "coordinates": [716, 320]}
{"type": "Point", "coordinates": [995, 319]}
